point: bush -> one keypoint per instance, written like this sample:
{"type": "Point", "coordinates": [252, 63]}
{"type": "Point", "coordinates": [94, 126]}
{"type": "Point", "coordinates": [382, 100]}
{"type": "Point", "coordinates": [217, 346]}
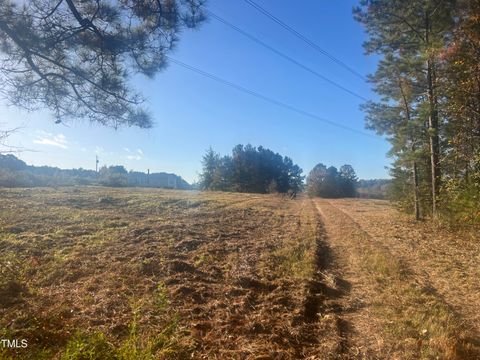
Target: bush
{"type": "Point", "coordinates": [16, 179]}
{"type": "Point", "coordinates": [90, 347]}
{"type": "Point", "coordinates": [461, 204]}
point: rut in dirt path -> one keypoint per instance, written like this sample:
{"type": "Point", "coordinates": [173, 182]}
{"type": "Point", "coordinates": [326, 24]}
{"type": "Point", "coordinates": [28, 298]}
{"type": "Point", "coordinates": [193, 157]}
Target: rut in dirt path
{"type": "Point", "coordinates": [350, 307]}
{"type": "Point", "coordinates": [268, 290]}
{"type": "Point", "coordinates": [327, 293]}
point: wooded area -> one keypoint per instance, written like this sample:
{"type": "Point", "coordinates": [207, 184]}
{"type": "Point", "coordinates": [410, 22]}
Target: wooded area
{"type": "Point", "coordinates": [332, 183]}
{"type": "Point", "coordinates": [250, 169]}
{"type": "Point", "coordinates": [16, 173]}
{"type": "Point", "coordinates": [428, 80]}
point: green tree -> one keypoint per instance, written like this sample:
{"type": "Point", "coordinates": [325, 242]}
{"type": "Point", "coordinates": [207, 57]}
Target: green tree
{"type": "Point", "coordinates": [210, 163]}
{"type": "Point", "coordinates": [115, 176]}
{"type": "Point", "coordinates": [348, 181]}
{"type": "Point", "coordinates": [294, 175]}
{"type": "Point", "coordinates": [400, 116]}
{"type": "Point", "coordinates": [461, 108]}
{"type": "Point", "coordinates": [222, 175]}
{"type": "Point", "coordinates": [76, 57]}
{"type": "Point", "coordinates": [250, 169]}
{"type": "Point", "coordinates": [408, 32]}
{"type": "Point", "coordinates": [316, 179]}
{"type": "Point", "coordinates": [331, 183]}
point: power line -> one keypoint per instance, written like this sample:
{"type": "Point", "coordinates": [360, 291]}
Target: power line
{"type": "Point", "coordinates": [283, 55]}
{"type": "Point", "coordinates": [304, 38]}
{"type": "Point", "coordinates": [266, 98]}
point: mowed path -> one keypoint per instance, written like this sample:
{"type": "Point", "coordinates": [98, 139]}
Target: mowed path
{"type": "Point", "coordinates": [414, 291]}
{"type": "Point", "coordinates": [450, 262]}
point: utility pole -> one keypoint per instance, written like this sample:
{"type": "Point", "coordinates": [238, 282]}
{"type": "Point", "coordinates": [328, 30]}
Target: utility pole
{"type": "Point", "coordinates": [96, 163]}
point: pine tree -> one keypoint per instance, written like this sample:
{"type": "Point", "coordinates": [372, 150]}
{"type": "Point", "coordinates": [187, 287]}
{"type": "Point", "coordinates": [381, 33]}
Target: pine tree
{"type": "Point", "coordinates": [210, 163]}
{"type": "Point", "coordinates": [348, 181]}
{"type": "Point", "coordinates": [399, 115]}
{"type": "Point", "coordinates": [76, 57]}
{"type": "Point", "coordinates": [250, 169]}
{"type": "Point", "coordinates": [331, 183]}
{"type": "Point", "coordinates": [403, 32]}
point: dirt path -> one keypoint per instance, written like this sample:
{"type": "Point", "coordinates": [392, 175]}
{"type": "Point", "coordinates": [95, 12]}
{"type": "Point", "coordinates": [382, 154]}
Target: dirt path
{"type": "Point", "coordinates": [344, 240]}
{"type": "Point", "coordinates": [257, 292]}
{"type": "Point", "coordinates": [398, 305]}
{"type": "Point", "coordinates": [449, 262]}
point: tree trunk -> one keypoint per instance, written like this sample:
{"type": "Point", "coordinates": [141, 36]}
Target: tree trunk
{"type": "Point", "coordinates": [434, 137]}
{"type": "Point", "coordinates": [416, 193]}
{"type": "Point", "coordinates": [432, 121]}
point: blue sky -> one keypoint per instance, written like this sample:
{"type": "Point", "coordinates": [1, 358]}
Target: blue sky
{"type": "Point", "coordinates": [192, 112]}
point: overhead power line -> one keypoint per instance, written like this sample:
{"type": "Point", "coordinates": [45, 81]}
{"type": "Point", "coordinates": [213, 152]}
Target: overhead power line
{"type": "Point", "coordinates": [267, 98]}
{"type": "Point", "coordinates": [285, 56]}
{"type": "Point", "coordinates": [305, 39]}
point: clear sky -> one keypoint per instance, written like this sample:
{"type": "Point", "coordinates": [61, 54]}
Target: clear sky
{"type": "Point", "coordinates": [192, 112]}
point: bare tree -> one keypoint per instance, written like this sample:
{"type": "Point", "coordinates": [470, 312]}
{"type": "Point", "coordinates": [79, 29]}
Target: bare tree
{"type": "Point", "coordinates": [4, 146]}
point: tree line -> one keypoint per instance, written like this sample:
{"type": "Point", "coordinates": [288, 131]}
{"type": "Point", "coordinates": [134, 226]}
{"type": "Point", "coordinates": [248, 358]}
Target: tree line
{"type": "Point", "coordinates": [428, 79]}
{"type": "Point", "coordinates": [332, 183]}
{"type": "Point", "coordinates": [250, 169]}
{"type": "Point", "coordinates": [16, 173]}
{"type": "Point", "coordinates": [260, 170]}
{"type": "Point", "coordinates": [373, 188]}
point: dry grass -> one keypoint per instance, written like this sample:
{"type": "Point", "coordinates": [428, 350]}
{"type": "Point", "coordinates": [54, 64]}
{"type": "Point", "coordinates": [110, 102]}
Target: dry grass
{"type": "Point", "coordinates": [140, 274]}
{"type": "Point", "coordinates": [412, 319]}
{"type": "Point", "coordinates": [96, 273]}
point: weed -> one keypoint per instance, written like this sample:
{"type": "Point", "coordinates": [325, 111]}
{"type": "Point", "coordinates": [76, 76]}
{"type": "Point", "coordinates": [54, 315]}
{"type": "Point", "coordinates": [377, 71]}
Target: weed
{"type": "Point", "coordinates": [90, 347]}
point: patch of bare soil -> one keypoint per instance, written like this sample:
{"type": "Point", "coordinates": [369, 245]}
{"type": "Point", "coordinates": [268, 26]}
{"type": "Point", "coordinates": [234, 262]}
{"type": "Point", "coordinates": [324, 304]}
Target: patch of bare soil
{"type": "Point", "coordinates": [248, 300]}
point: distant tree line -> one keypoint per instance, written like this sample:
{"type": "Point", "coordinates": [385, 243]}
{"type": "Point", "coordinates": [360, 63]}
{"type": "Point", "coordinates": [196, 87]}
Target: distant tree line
{"type": "Point", "coordinates": [374, 188]}
{"type": "Point", "coordinates": [114, 176]}
{"type": "Point", "coordinates": [332, 183]}
{"type": "Point", "coordinates": [16, 173]}
{"type": "Point", "coordinates": [250, 169]}
{"type": "Point", "coordinates": [428, 82]}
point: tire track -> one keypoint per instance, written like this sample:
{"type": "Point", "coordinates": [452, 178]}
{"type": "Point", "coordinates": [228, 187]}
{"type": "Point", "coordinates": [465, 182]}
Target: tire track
{"type": "Point", "coordinates": [406, 291]}
{"type": "Point", "coordinates": [331, 291]}
{"type": "Point", "coordinates": [449, 260]}
{"type": "Point", "coordinates": [423, 276]}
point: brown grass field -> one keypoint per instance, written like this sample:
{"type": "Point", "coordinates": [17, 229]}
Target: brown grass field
{"type": "Point", "coordinates": [97, 273]}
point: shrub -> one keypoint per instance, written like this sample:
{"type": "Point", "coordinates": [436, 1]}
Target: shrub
{"type": "Point", "coordinates": [461, 203]}
{"type": "Point", "coordinates": [90, 347]}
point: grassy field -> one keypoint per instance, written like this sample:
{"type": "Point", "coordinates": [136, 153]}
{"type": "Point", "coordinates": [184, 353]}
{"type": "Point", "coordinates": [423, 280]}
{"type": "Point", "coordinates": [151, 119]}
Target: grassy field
{"type": "Point", "coordinates": [140, 274]}
{"type": "Point", "coordinates": [98, 273]}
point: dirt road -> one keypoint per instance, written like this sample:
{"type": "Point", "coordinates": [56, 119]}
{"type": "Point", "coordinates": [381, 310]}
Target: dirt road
{"type": "Point", "coordinates": [414, 290]}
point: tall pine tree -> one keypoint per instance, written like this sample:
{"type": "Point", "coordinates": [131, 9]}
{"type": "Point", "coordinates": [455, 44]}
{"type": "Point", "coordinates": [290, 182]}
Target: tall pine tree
{"type": "Point", "coordinates": [403, 33]}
